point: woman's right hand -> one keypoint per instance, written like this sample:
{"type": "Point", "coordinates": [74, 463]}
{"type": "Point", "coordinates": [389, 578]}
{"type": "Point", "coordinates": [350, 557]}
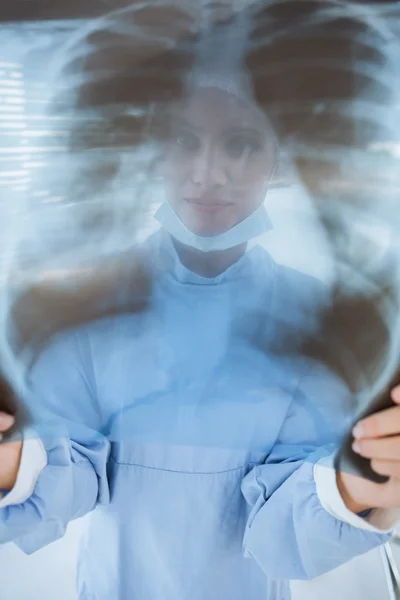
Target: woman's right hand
{"type": "Point", "coordinates": [10, 455]}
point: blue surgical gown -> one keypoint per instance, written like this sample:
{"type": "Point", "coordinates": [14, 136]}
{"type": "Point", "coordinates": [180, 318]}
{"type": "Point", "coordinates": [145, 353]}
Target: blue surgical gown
{"type": "Point", "coordinates": [189, 444]}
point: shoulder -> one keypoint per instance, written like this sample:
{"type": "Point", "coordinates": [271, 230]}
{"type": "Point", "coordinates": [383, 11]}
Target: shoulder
{"type": "Point", "coordinates": [287, 279]}
{"type": "Point", "coordinates": [293, 296]}
{"type": "Point", "coordinates": [298, 286]}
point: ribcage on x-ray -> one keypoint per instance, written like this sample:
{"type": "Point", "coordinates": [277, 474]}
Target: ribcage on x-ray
{"type": "Point", "coordinates": [325, 74]}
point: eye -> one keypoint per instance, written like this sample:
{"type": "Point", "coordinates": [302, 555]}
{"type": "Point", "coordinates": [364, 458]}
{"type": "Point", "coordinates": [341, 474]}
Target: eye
{"type": "Point", "coordinates": [187, 140]}
{"type": "Point", "coordinates": [236, 146]}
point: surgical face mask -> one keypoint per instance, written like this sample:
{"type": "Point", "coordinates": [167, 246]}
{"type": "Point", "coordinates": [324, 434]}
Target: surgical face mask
{"type": "Point", "coordinates": [253, 226]}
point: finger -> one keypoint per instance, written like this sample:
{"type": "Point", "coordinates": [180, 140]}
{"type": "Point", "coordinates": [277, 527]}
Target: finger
{"type": "Point", "coordinates": [6, 421]}
{"type": "Point", "coordinates": [385, 422]}
{"type": "Point", "coordinates": [381, 449]}
{"type": "Point", "coordinates": [395, 394]}
{"type": "Point", "coordinates": [390, 468]}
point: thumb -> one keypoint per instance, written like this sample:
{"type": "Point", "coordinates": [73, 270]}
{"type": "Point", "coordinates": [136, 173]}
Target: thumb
{"type": "Point", "coordinates": [6, 421]}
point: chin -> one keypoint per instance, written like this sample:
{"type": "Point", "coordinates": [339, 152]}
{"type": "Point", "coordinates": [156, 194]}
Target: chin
{"type": "Point", "coordinates": [206, 227]}
{"type": "Point", "coordinates": [207, 230]}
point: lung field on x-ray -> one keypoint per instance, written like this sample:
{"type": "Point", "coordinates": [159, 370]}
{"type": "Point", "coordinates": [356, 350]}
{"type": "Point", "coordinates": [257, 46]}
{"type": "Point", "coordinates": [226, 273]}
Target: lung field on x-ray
{"type": "Point", "coordinates": [80, 183]}
{"type": "Point", "coordinates": [333, 88]}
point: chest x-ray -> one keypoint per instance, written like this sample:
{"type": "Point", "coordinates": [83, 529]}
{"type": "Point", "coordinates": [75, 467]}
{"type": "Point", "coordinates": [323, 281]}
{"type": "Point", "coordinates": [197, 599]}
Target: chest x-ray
{"type": "Point", "coordinates": [123, 118]}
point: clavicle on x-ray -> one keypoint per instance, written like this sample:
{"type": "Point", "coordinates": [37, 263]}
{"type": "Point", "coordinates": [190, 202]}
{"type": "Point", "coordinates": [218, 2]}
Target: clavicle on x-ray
{"type": "Point", "coordinates": [200, 287]}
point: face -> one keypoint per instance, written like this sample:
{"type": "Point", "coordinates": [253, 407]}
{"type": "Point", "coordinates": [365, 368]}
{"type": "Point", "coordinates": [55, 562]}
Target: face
{"type": "Point", "coordinates": [219, 159]}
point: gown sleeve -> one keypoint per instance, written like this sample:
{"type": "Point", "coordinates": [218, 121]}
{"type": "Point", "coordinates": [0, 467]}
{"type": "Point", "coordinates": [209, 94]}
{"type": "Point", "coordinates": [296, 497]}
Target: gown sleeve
{"type": "Point", "coordinates": [289, 532]}
{"type": "Point", "coordinates": [64, 470]}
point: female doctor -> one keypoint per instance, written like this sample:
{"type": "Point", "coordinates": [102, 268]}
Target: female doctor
{"type": "Point", "coordinates": [202, 460]}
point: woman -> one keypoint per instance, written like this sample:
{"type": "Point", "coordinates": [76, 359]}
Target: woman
{"type": "Point", "coordinates": [200, 454]}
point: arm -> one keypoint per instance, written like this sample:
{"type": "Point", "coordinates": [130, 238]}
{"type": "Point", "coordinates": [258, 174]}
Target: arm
{"type": "Point", "coordinates": [63, 469]}
{"type": "Point", "coordinates": [291, 533]}
{"type": "Point", "coordinates": [23, 462]}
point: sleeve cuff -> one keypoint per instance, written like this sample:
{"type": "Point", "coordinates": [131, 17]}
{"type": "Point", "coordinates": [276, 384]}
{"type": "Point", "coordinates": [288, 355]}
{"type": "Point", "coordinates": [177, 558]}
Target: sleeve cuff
{"type": "Point", "coordinates": [379, 520]}
{"type": "Point", "coordinates": [33, 461]}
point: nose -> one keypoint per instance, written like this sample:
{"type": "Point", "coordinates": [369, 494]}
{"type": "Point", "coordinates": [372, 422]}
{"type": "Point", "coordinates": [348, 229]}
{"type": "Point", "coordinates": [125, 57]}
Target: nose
{"type": "Point", "coordinates": [209, 169]}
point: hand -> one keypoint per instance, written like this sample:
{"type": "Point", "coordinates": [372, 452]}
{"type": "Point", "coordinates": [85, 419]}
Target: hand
{"type": "Point", "coordinates": [378, 438]}
{"type": "Point", "coordinates": [10, 455]}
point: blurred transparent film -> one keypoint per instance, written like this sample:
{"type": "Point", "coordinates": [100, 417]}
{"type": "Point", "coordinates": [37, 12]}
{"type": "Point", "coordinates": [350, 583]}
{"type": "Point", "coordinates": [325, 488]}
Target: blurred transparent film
{"type": "Point", "coordinates": [84, 104]}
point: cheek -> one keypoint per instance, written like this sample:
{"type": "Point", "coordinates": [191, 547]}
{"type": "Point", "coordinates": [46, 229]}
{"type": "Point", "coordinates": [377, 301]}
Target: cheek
{"type": "Point", "coordinates": [251, 194]}
{"type": "Point", "coordinates": [262, 168]}
{"type": "Point", "coordinates": [254, 184]}
{"type": "Point", "coordinates": [248, 204]}
{"type": "Point", "coordinates": [256, 172]}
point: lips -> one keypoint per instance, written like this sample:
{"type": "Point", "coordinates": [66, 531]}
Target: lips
{"type": "Point", "coordinates": [208, 205]}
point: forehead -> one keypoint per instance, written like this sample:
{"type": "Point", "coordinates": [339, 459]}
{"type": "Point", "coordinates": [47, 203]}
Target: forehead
{"type": "Point", "coordinates": [213, 108]}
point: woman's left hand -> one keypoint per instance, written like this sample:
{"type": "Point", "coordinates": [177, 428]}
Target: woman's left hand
{"type": "Point", "coordinates": [378, 438]}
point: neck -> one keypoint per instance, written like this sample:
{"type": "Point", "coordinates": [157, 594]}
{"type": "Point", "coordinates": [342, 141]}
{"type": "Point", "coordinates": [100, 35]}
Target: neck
{"type": "Point", "coordinates": [208, 264]}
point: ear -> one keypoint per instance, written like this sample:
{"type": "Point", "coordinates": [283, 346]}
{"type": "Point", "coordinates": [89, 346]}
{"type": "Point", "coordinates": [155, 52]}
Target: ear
{"type": "Point", "coordinates": [283, 173]}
